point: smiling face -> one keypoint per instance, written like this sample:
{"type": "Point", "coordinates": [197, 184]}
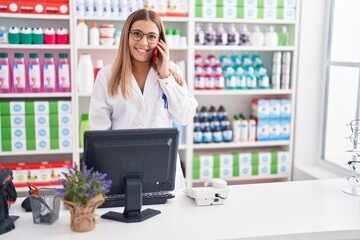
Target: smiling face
{"type": "Point", "coordinates": [142, 50]}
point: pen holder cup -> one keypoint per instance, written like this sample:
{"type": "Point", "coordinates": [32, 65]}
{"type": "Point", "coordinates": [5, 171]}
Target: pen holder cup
{"type": "Point", "coordinates": [45, 209]}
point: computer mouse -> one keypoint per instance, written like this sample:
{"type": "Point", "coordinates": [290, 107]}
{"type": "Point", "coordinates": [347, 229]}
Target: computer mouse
{"type": "Point", "coordinates": [216, 183]}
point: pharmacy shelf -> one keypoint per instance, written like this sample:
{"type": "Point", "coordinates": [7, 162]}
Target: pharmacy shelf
{"type": "Point", "coordinates": [36, 16]}
{"type": "Point", "coordinates": [36, 95]}
{"type": "Point", "coordinates": [242, 48]}
{"type": "Point", "coordinates": [245, 21]}
{"type": "Point", "coordinates": [96, 48]}
{"type": "Point", "coordinates": [243, 92]}
{"type": "Point", "coordinates": [35, 46]}
{"type": "Point", "coordinates": [240, 145]}
{"type": "Point", "coordinates": [121, 19]}
{"type": "Point", "coordinates": [200, 182]}
{"type": "Point", "coordinates": [35, 152]}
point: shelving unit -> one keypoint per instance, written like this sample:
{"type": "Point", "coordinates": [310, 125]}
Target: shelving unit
{"type": "Point", "coordinates": [42, 21]}
{"type": "Point", "coordinates": [242, 98]}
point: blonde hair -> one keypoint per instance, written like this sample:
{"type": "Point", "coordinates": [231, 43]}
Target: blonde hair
{"type": "Point", "coordinates": [122, 67]}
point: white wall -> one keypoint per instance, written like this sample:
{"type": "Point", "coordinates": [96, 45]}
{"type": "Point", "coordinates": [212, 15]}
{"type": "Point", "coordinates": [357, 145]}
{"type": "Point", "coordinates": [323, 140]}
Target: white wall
{"type": "Point", "coordinates": [310, 91]}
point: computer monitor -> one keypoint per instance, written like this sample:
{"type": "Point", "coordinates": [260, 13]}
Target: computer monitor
{"type": "Point", "coordinates": [137, 161]}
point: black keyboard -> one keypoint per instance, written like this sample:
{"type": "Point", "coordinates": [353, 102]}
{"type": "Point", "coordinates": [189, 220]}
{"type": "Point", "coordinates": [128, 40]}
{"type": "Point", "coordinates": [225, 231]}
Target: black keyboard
{"type": "Point", "coordinates": [151, 198]}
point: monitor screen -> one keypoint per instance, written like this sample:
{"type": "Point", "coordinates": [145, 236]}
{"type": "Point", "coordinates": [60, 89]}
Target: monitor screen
{"type": "Point", "coordinates": [136, 160]}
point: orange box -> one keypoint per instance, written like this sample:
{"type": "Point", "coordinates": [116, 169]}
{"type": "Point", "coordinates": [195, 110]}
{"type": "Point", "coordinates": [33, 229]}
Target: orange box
{"type": "Point", "coordinates": [32, 7]}
{"type": "Point", "coordinates": [10, 6]}
{"type": "Point", "coordinates": [57, 7]}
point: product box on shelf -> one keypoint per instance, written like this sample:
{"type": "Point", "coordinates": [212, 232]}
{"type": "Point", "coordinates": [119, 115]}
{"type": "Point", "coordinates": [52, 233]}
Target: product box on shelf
{"type": "Point", "coordinates": [158, 6]}
{"type": "Point", "coordinates": [177, 8]}
{"type": "Point", "coordinates": [57, 168]}
{"type": "Point", "coordinates": [35, 7]}
{"type": "Point", "coordinates": [10, 6]}
{"type": "Point", "coordinates": [20, 173]}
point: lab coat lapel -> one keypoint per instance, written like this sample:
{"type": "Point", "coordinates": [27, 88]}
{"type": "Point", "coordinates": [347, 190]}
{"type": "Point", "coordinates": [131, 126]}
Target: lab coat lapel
{"type": "Point", "coordinates": [151, 80]}
{"type": "Point", "coordinates": [135, 87]}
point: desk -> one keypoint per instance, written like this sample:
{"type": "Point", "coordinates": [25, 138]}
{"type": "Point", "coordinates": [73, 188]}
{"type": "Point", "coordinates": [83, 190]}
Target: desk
{"type": "Point", "coordinates": [303, 210]}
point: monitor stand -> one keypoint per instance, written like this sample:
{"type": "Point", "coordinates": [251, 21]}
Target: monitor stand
{"type": "Point", "coordinates": [133, 203]}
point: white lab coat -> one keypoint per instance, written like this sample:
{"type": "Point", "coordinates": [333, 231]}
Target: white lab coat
{"type": "Point", "coordinates": [142, 110]}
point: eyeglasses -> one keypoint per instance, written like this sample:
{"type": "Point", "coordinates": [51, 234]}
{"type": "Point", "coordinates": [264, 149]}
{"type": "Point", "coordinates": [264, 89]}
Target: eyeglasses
{"type": "Point", "coordinates": [137, 35]}
{"type": "Point", "coordinates": [354, 181]}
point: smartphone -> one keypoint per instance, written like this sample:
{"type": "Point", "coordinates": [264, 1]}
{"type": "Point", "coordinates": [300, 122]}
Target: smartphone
{"type": "Point", "coordinates": [155, 56]}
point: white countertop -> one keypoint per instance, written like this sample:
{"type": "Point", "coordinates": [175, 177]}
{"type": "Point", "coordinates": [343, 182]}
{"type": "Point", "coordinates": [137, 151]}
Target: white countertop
{"type": "Point", "coordinates": [288, 210]}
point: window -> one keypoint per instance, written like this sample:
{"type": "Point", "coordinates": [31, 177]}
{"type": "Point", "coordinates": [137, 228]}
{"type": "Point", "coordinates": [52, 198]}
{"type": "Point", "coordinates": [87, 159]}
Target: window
{"type": "Point", "coordinates": [342, 103]}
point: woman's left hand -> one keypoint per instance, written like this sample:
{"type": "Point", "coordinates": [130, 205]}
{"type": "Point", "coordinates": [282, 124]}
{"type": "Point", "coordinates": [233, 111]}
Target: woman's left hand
{"type": "Point", "coordinates": [162, 65]}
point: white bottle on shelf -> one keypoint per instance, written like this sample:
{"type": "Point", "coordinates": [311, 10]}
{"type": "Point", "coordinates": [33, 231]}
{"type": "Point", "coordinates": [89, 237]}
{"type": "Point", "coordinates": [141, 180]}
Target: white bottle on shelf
{"type": "Point", "coordinates": [233, 35]}
{"type": "Point", "coordinates": [199, 35]}
{"type": "Point", "coordinates": [94, 35]}
{"type": "Point", "coordinates": [82, 34]}
{"type": "Point", "coordinates": [257, 37]}
{"type": "Point", "coordinates": [221, 35]}
{"type": "Point", "coordinates": [271, 37]}
{"type": "Point", "coordinates": [85, 74]}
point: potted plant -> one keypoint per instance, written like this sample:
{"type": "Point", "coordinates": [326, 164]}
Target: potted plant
{"type": "Point", "coordinates": [83, 191]}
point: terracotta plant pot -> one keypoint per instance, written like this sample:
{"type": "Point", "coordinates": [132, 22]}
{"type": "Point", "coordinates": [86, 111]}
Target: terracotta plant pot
{"type": "Point", "coordinates": [83, 219]}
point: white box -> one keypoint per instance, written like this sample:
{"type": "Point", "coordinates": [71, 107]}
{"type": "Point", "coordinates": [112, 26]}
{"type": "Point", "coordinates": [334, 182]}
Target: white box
{"type": "Point", "coordinates": [284, 129]}
{"type": "Point", "coordinates": [18, 145]}
{"type": "Point", "coordinates": [206, 161]}
{"type": "Point", "coordinates": [285, 108]}
{"type": "Point", "coordinates": [41, 107]}
{"type": "Point", "coordinates": [270, 13]}
{"type": "Point", "coordinates": [274, 130]}
{"type": "Point", "coordinates": [42, 133]}
{"type": "Point", "coordinates": [250, 3]}
{"type": "Point", "coordinates": [17, 120]}
{"type": "Point", "coordinates": [264, 170]}
{"type": "Point", "coordinates": [261, 108]}
{"type": "Point", "coordinates": [18, 133]}
{"type": "Point", "coordinates": [245, 159]}
{"type": "Point", "coordinates": [226, 172]}
{"type": "Point", "coordinates": [209, 11]}
{"type": "Point", "coordinates": [64, 107]}
{"type": "Point", "coordinates": [289, 4]}
{"type": "Point", "coordinates": [250, 12]}
{"type": "Point", "coordinates": [206, 173]}
{"type": "Point", "coordinates": [230, 3]}
{"type": "Point", "coordinates": [17, 108]}
{"type": "Point", "coordinates": [245, 170]}
{"type": "Point", "coordinates": [42, 120]}
{"type": "Point", "coordinates": [230, 12]}
{"type": "Point", "coordinates": [283, 168]}
{"type": "Point", "coordinates": [65, 120]}
{"type": "Point", "coordinates": [274, 109]}
{"type": "Point", "coordinates": [263, 130]}
{"type": "Point", "coordinates": [158, 6]}
{"type": "Point", "coordinates": [65, 143]}
{"type": "Point", "coordinates": [283, 157]}
{"type": "Point", "coordinates": [65, 132]}
{"type": "Point", "coordinates": [226, 160]}
{"type": "Point", "coordinates": [208, 2]}
{"type": "Point", "coordinates": [264, 159]}
{"type": "Point", "coordinates": [42, 144]}
{"type": "Point", "coordinates": [270, 3]}
{"type": "Point", "coordinates": [289, 14]}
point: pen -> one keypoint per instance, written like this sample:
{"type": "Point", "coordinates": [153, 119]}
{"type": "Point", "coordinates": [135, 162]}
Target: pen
{"type": "Point", "coordinates": [165, 101]}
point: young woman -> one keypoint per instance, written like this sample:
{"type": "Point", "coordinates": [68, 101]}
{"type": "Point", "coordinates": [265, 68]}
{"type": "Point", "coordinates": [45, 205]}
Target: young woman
{"type": "Point", "coordinates": [142, 88]}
